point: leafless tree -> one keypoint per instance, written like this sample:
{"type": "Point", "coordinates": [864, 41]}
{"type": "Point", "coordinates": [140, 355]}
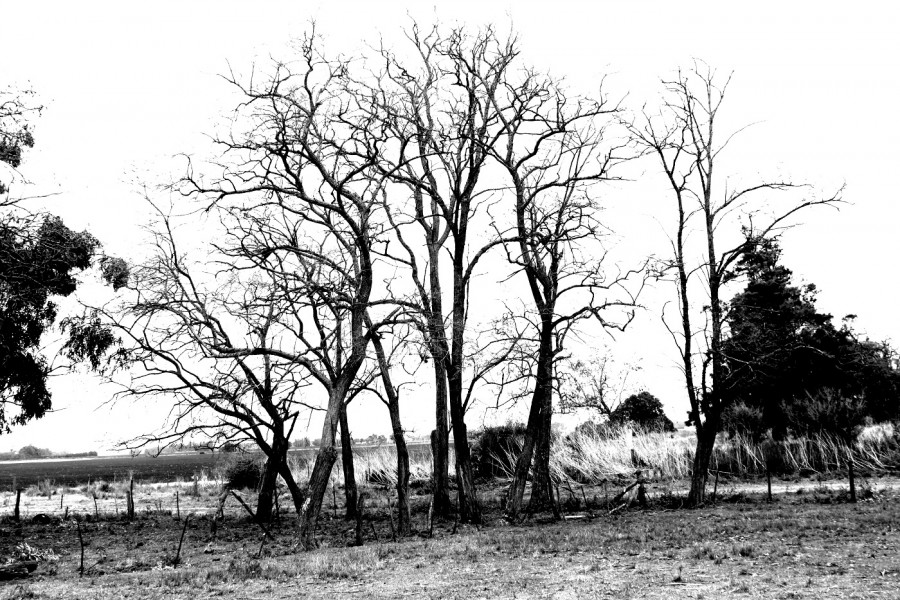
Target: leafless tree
{"type": "Point", "coordinates": [596, 384]}
{"type": "Point", "coordinates": [436, 109]}
{"type": "Point", "coordinates": [554, 152]}
{"type": "Point", "coordinates": [684, 138]}
{"type": "Point", "coordinates": [300, 188]}
{"type": "Point", "coordinates": [389, 394]}
{"type": "Point", "coordinates": [172, 321]}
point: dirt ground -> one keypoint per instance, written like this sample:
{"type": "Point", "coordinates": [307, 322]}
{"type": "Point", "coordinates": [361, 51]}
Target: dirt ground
{"type": "Point", "coordinates": [809, 543]}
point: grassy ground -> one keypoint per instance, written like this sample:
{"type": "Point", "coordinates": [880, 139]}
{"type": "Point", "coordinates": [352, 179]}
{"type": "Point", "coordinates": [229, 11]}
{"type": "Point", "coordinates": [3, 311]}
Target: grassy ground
{"type": "Point", "coordinates": [809, 544]}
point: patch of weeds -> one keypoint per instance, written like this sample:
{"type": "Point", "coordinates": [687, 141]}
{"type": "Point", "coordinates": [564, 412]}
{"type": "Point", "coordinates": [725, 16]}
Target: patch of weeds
{"type": "Point", "coordinates": [344, 565]}
{"type": "Point", "coordinates": [744, 549]}
{"type": "Point", "coordinates": [24, 551]}
{"type": "Point", "coordinates": [22, 592]}
{"type": "Point", "coordinates": [703, 552]}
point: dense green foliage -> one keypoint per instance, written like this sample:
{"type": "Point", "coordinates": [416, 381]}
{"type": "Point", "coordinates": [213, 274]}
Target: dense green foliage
{"type": "Point", "coordinates": [790, 369]}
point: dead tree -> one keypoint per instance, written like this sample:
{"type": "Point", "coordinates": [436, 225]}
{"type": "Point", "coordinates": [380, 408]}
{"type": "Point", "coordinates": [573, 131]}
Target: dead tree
{"type": "Point", "coordinates": [683, 137]}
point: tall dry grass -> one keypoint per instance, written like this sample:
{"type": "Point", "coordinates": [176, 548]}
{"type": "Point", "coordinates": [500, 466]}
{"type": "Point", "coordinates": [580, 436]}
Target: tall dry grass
{"type": "Point", "coordinates": [372, 466]}
{"type": "Point", "coordinates": [590, 456]}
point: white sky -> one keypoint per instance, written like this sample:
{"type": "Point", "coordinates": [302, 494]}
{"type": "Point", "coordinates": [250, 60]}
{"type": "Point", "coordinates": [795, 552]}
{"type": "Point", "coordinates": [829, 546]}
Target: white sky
{"type": "Point", "coordinates": [127, 87]}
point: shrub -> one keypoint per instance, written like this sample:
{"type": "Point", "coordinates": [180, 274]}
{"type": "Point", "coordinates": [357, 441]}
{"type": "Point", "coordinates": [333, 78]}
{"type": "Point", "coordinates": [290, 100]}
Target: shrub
{"type": "Point", "coordinates": [741, 419]}
{"type": "Point", "coordinates": [242, 471]}
{"type": "Point", "coordinates": [33, 452]}
{"type": "Point", "coordinates": [495, 449]}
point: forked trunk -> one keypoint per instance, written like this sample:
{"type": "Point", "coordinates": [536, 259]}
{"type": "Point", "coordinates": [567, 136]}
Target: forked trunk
{"type": "Point", "coordinates": [516, 490]}
{"type": "Point", "coordinates": [350, 493]}
{"type": "Point", "coordinates": [321, 473]}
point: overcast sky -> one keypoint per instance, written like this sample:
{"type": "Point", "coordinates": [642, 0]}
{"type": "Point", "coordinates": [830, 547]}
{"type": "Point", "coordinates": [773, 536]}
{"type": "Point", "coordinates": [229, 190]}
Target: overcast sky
{"type": "Point", "coordinates": [129, 87]}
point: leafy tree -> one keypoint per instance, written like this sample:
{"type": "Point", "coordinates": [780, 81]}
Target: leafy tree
{"type": "Point", "coordinates": [645, 410]}
{"type": "Point", "coordinates": [39, 257]}
{"type": "Point", "coordinates": [782, 354]}
{"type": "Point", "coordinates": [33, 452]}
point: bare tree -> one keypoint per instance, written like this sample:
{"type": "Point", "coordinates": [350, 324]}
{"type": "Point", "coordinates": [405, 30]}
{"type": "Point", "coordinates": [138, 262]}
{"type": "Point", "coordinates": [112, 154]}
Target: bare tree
{"type": "Point", "coordinates": [171, 323]}
{"type": "Point", "coordinates": [553, 151]}
{"type": "Point", "coordinates": [684, 138]}
{"type": "Point", "coordinates": [389, 394]}
{"type": "Point", "coordinates": [437, 110]}
{"type": "Point", "coordinates": [302, 193]}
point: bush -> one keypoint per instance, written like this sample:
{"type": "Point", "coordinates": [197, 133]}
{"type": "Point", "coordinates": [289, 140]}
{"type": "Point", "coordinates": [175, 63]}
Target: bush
{"type": "Point", "coordinates": [243, 471]}
{"type": "Point", "coordinates": [496, 448]}
{"type": "Point", "coordinates": [741, 419]}
{"type": "Point", "coordinates": [593, 429]}
{"type": "Point", "coordinates": [643, 410]}
{"type": "Point", "coordinates": [33, 452]}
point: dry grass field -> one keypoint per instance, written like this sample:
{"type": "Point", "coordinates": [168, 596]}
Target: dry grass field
{"type": "Point", "coordinates": [809, 543]}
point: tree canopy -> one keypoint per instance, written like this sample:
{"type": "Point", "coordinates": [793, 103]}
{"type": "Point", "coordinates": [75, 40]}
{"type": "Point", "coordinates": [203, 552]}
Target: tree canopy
{"type": "Point", "coordinates": [643, 409]}
{"type": "Point", "coordinates": [39, 257]}
{"type": "Point", "coordinates": [785, 358]}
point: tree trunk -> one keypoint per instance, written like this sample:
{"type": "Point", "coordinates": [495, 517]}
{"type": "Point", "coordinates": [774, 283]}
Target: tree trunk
{"type": "Point", "coordinates": [321, 473]}
{"type": "Point", "coordinates": [350, 492]}
{"type": "Point", "coordinates": [440, 447]}
{"type": "Point", "coordinates": [536, 447]}
{"type": "Point", "coordinates": [297, 495]}
{"type": "Point", "coordinates": [403, 523]}
{"type": "Point", "coordinates": [318, 484]}
{"type": "Point", "coordinates": [267, 486]}
{"type": "Point", "coordinates": [706, 441]}
{"type": "Point", "coordinates": [541, 484]}
{"type": "Point", "coordinates": [469, 509]}
{"type": "Point", "coordinates": [516, 489]}
{"type": "Point", "coordinates": [393, 404]}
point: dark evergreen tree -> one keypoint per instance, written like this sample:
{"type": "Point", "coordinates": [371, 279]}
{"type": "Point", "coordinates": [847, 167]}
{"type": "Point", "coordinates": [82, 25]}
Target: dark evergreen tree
{"type": "Point", "coordinates": [782, 354]}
